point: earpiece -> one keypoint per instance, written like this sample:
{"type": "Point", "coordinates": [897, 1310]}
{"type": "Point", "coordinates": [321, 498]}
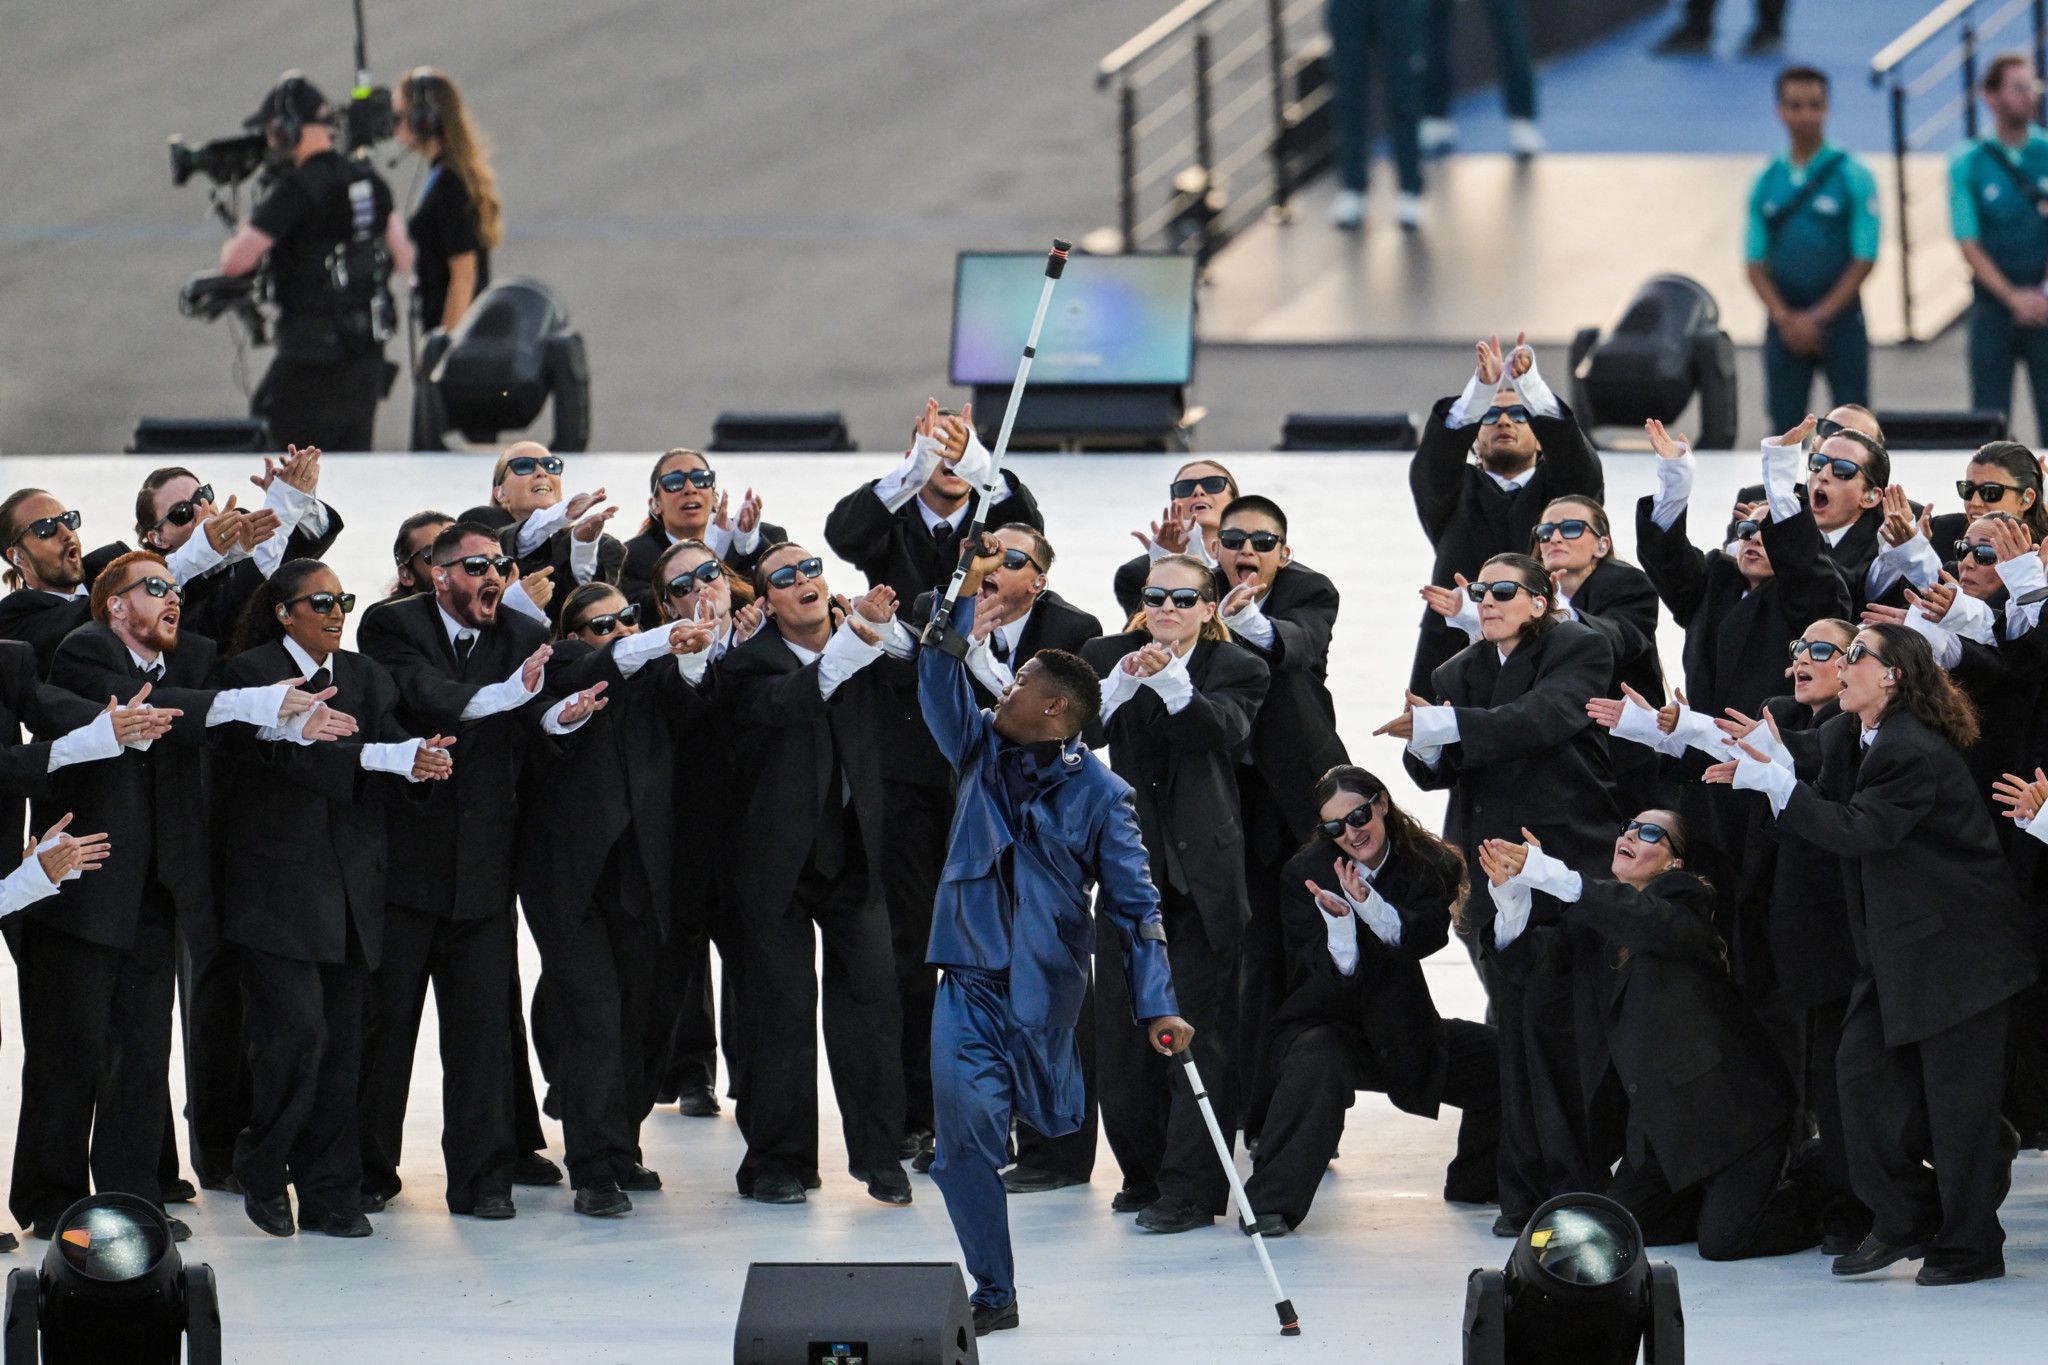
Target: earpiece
{"type": "Point", "coordinates": [422, 110]}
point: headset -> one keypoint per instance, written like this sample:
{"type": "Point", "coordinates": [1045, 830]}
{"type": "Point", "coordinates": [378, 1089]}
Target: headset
{"type": "Point", "coordinates": [422, 107]}
{"type": "Point", "coordinates": [286, 125]}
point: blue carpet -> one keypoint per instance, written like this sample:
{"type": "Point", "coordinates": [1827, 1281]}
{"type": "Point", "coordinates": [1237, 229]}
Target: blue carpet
{"type": "Point", "coordinates": [1617, 97]}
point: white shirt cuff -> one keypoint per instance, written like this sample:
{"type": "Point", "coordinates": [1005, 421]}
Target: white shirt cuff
{"type": "Point", "coordinates": [257, 706]}
{"type": "Point", "coordinates": [897, 641]}
{"type": "Point", "coordinates": [900, 484]}
{"type": "Point", "coordinates": [1638, 725]}
{"type": "Point", "coordinates": [583, 557]}
{"type": "Point", "coordinates": [976, 464]}
{"type": "Point", "coordinates": [1947, 646]}
{"type": "Point", "coordinates": [518, 599]}
{"type": "Point", "coordinates": [1119, 687]}
{"type": "Point", "coordinates": [718, 539]}
{"type": "Point", "coordinates": [195, 558]}
{"type": "Point", "coordinates": [1435, 726]}
{"type": "Point", "coordinates": [1175, 688]}
{"type": "Point", "coordinates": [1541, 872]}
{"type": "Point", "coordinates": [1915, 561]}
{"type": "Point", "coordinates": [508, 695]}
{"type": "Point", "coordinates": [1971, 618]}
{"type": "Point", "coordinates": [2036, 827]}
{"type": "Point", "coordinates": [93, 740]}
{"type": "Point", "coordinates": [1249, 623]}
{"type": "Point", "coordinates": [746, 542]}
{"type": "Point", "coordinates": [1696, 730]}
{"type": "Point", "coordinates": [633, 653]}
{"type": "Point", "coordinates": [1764, 742]}
{"type": "Point", "coordinates": [396, 757]}
{"type": "Point", "coordinates": [1511, 904]}
{"type": "Point", "coordinates": [1536, 394]}
{"type": "Point", "coordinates": [535, 530]}
{"type": "Point", "coordinates": [693, 667]}
{"type": "Point", "coordinates": [27, 884]}
{"type": "Point", "coordinates": [845, 654]}
{"type": "Point", "coordinates": [991, 672]}
{"type": "Point", "coordinates": [1380, 917]}
{"type": "Point", "coordinates": [1341, 932]}
{"type": "Point", "coordinates": [2020, 576]}
{"type": "Point", "coordinates": [552, 722]}
{"type": "Point", "coordinates": [1674, 489]}
{"type": "Point", "coordinates": [1773, 781]}
{"type": "Point", "coordinates": [1476, 399]}
{"type": "Point", "coordinates": [1781, 479]}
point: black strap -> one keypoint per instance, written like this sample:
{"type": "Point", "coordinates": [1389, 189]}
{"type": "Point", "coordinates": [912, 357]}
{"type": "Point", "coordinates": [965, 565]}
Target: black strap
{"type": "Point", "coordinates": [1989, 147]}
{"type": "Point", "coordinates": [1816, 175]}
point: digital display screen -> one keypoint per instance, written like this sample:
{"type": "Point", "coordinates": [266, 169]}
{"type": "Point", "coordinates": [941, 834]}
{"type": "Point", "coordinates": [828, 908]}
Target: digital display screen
{"type": "Point", "coordinates": [1113, 319]}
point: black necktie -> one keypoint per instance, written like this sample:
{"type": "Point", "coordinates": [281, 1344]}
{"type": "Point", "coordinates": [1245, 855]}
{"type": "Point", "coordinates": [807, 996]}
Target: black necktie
{"type": "Point", "coordinates": [463, 645]}
{"type": "Point", "coordinates": [942, 534]}
{"type": "Point", "coordinates": [320, 680]}
{"type": "Point", "coordinates": [999, 645]}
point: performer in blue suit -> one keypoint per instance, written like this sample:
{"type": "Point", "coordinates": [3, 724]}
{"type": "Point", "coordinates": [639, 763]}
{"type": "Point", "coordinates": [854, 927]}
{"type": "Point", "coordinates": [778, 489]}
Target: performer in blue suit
{"type": "Point", "coordinates": [1038, 821]}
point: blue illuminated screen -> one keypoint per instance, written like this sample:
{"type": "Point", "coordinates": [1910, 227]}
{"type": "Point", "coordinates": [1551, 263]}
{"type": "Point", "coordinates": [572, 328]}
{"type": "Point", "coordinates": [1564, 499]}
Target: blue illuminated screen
{"type": "Point", "coordinates": [1113, 319]}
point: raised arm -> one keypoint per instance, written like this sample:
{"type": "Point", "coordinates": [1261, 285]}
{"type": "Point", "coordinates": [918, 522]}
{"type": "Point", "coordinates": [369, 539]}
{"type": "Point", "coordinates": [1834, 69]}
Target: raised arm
{"type": "Point", "coordinates": [1674, 918]}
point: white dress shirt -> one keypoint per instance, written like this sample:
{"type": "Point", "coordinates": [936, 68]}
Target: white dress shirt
{"type": "Point", "coordinates": [2021, 575]}
{"type": "Point", "coordinates": [509, 694]}
{"type": "Point", "coordinates": [28, 883]}
{"type": "Point", "coordinates": [1674, 487]}
{"type": "Point", "coordinates": [256, 706]}
{"type": "Point", "coordinates": [390, 756]}
{"type": "Point", "coordinates": [846, 654]}
{"type": "Point", "coordinates": [547, 522]}
{"type": "Point", "coordinates": [1540, 872]}
{"type": "Point", "coordinates": [1341, 931]}
{"type": "Point", "coordinates": [1175, 688]}
{"type": "Point", "coordinates": [634, 652]}
{"type": "Point", "coordinates": [1249, 623]}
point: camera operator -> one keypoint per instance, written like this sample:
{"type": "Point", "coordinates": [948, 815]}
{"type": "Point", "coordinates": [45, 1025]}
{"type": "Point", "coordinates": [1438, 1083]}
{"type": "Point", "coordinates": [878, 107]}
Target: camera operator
{"type": "Point", "coordinates": [333, 241]}
{"type": "Point", "coordinates": [455, 225]}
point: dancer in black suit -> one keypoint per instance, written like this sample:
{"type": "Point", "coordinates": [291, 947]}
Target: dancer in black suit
{"type": "Point", "coordinates": [49, 571]}
{"type": "Point", "coordinates": [684, 502]}
{"type": "Point", "coordinates": [1198, 495]}
{"type": "Point", "coordinates": [541, 529]}
{"type": "Point", "coordinates": [808, 695]}
{"type": "Point", "coordinates": [1709, 1106]}
{"type": "Point", "coordinates": [1179, 701]}
{"type": "Point", "coordinates": [1530, 450]}
{"type": "Point", "coordinates": [304, 901]}
{"type": "Point", "coordinates": [1940, 952]}
{"type": "Point", "coordinates": [1366, 900]}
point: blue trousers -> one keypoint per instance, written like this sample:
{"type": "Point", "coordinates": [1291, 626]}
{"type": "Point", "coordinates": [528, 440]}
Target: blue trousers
{"type": "Point", "coordinates": [1360, 32]}
{"type": "Point", "coordinates": [984, 1066]}
{"type": "Point", "coordinates": [1510, 55]}
{"type": "Point", "coordinates": [1997, 344]}
{"type": "Point", "coordinates": [1844, 356]}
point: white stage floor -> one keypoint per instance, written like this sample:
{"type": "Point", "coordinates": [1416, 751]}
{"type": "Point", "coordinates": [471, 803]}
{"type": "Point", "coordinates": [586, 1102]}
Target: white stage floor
{"type": "Point", "coordinates": [1377, 1273]}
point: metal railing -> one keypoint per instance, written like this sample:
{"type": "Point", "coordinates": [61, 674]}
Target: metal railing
{"type": "Point", "coordinates": [1941, 51]}
{"type": "Point", "coordinates": [1221, 114]}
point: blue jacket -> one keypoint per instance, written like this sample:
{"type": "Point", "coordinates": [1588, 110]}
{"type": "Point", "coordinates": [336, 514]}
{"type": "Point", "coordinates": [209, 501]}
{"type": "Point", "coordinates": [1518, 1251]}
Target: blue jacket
{"type": "Point", "coordinates": [1013, 895]}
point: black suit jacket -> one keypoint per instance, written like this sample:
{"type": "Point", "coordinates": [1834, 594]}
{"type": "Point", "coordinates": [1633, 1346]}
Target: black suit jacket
{"type": "Point", "coordinates": [1294, 739]}
{"type": "Point", "coordinates": [1386, 1001]}
{"type": "Point", "coordinates": [453, 855]}
{"type": "Point", "coordinates": [304, 825]}
{"type": "Point", "coordinates": [26, 700]}
{"type": "Point", "coordinates": [1054, 623]}
{"type": "Point", "coordinates": [1932, 906]}
{"type": "Point", "coordinates": [789, 741]}
{"type": "Point", "coordinates": [644, 550]}
{"type": "Point", "coordinates": [214, 601]}
{"type": "Point", "coordinates": [1469, 518]}
{"type": "Point", "coordinates": [41, 620]}
{"type": "Point", "coordinates": [1183, 768]}
{"type": "Point", "coordinates": [155, 805]}
{"type": "Point", "coordinates": [1702, 1082]}
{"type": "Point", "coordinates": [1859, 547]}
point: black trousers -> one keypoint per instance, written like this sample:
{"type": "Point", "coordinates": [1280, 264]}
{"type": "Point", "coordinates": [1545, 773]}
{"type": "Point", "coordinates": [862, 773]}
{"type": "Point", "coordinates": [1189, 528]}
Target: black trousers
{"type": "Point", "coordinates": [1546, 1147]}
{"type": "Point", "coordinates": [916, 820]}
{"type": "Point", "coordinates": [217, 1083]}
{"type": "Point", "coordinates": [692, 1045]}
{"type": "Point", "coordinates": [2026, 1090]}
{"type": "Point", "coordinates": [1072, 1154]}
{"type": "Point", "coordinates": [1149, 1114]}
{"type": "Point", "coordinates": [304, 1039]}
{"type": "Point", "coordinates": [1932, 1101]}
{"type": "Point", "coordinates": [1262, 967]}
{"type": "Point", "coordinates": [1318, 1080]}
{"type": "Point", "coordinates": [1824, 1166]}
{"type": "Point", "coordinates": [96, 1056]}
{"type": "Point", "coordinates": [469, 963]}
{"type": "Point", "coordinates": [1740, 1211]}
{"type": "Point", "coordinates": [333, 407]}
{"type": "Point", "coordinates": [778, 1099]}
{"type": "Point", "coordinates": [603, 988]}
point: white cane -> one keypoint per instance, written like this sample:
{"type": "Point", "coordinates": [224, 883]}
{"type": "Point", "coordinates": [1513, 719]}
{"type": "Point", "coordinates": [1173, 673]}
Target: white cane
{"type": "Point", "coordinates": [1290, 1324]}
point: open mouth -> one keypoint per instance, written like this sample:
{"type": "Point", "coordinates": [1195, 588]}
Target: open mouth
{"type": "Point", "coordinates": [335, 631]}
{"type": "Point", "coordinates": [1200, 506]}
{"type": "Point", "coordinates": [1820, 497]}
{"type": "Point", "coordinates": [988, 589]}
{"type": "Point", "coordinates": [1246, 570]}
{"type": "Point", "coordinates": [1624, 851]}
{"type": "Point", "coordinates": [488, 597]}
{"type": "Point", "coordinates": [541, 487]}
{"type": "Point", "coordinates": [1802, 677]}
{"type": "Point", "coordinates": [692, 505]}
{"type": "Point", "coordinates": [810, 597]}
{"type": "Point", "coordinates": [168, 621]}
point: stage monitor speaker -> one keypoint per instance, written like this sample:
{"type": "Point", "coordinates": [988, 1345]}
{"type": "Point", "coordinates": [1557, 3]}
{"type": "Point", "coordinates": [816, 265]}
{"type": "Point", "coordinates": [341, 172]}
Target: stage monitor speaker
{"type": "Point", "coordinates": [200, 436]}
{"type": "Point", "coordinates": [774, 432]}
{"type": "Point", "coordinates": [1937, 430]}
{"type": "Point", "coordinates": [855, 1313]}
{"type": "Point", "coordinates": [1366, 431]}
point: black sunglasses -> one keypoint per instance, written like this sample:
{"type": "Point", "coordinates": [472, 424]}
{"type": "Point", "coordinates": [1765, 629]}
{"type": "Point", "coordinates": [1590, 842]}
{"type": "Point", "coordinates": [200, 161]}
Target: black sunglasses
{"type": "Point", "coordinates": [1358, 817]}
{"type": "Point", "coordinates": [1514, 412]}
{"type": "Point", "coordinates": [610, 621]}
{"type": "Point", "coordinates": [1184, 598]}
{"type": "Point", "coordinates": [181, 513]}
{"type": "Point", "coordinates": [154, 586]}
{"type": "Point", "coordinates": [1570, 529]}
{"type": "Point", "coordinates": [476, 566]}
{"type": "Point", "coordinates": [1208, 483]}
{"type": "Point", "coordinates": [1820, 651]}
{"type": "Point", "coordinates": [325, 602]}
{"type": "Point", "coordinates": [523, 465]}
{"type": "Point", "coordinates": [1503, 590]}
{"type": "Point", "coordinates": [45, 528]}
{"type": "Point", "coordinates": [1825, 427]}
{"type": "Point", "coordinates": [1017, 559]}
{"type": "Point", "coordinates": [785, 576]}
{"type": "Point", "coordinates": [1265, 542]}
{"type": "Point", "coordinates": [1857, 653]}
{"type": "Point", "coordinates": [1991, 493]}
{"type": "Point", "coordinates": [1747, 530]}
{"type": "Point", "coordinates": [676, 480]}
{"type": "Point", "coordinates": [689, 580]}
{"type": "Point", "coordinates": [1839, 467]}
{"type": "Point", "coordinates": [1983, 554]}
{"type": "Point", "coordinates": [1650, 832]}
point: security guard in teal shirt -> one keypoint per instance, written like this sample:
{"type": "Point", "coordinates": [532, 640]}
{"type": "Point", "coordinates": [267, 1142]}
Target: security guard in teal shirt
{"type": "Point", "coordinates": [1811, 243]}
{"type": "Point", "coordinates": [1998, 206]}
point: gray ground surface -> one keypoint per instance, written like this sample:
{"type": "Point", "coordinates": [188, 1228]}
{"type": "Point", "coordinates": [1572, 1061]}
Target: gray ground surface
{"type": "Point", "coordinates": [745, 206]}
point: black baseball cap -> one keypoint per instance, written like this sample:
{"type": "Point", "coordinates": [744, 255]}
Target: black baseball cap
{"type": "Point", "coordinates": [293, 95]}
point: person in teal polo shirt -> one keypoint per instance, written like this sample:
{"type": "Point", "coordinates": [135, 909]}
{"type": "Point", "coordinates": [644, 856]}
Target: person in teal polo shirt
{"type": "Point", "coordinates": [1811, 243]}
{"type": "Point", "coordinates": [1998, 206]}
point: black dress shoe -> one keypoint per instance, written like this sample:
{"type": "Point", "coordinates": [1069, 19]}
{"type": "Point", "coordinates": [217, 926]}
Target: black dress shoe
{"type": "Point", "coordinates": [639, 1179]}
{"type": "Point", "coordinates": [1840, 1243]}
{"type": "Point", "coordinates": [777, 1189]}
{"type": "Point", "coordinates": [9, 1242]}
{"type": "Point", "coordinates": [1968, 1273]}
{"type": "Point", "coordinates": [888, 1184]}
{"type": "Point", "coordinates": [914, 1141]}
{"type": "Point", "coordinates": [698, 1102]}
{"type": "Point", "coordinates": [273, 1215]}
{"type": "Point", "coordinates": [43, 1229]}
{"type": "Point", "coordinates": [1130, 1200]}
{"type": "Point", "coordinates": [375, 1200]}
{"type": "Point", "coordinates": [337, 1225]}
{"type": "Point", "coordinates": [604, 1200]}
{"type": "Point", "coordinates": [181, 1231]}
{"type": "Point", "coordinates": [534, 1169]}
{"type": "Point", "coordinates": [227, 1184]}
{"type": "Point", "coordinates": [179, 1191]}
{"type": "Point", "coordinates": [922, 1162]}
{"type": "Point", "coordinates": [987, 1319]}
{"type": "Point", "coordinates": [1875, 1255]}
{"type": "Point", "coordinates": [1170, 1213]}
{"type": "Point", "coordinates": [1269, 1225]}
{"type": "Point", "coordinates": [1504, 1226]}
{"type": "Point", "coordinates": [494, 1208]}
{"type": "Point", "coordinates": [1037, 1180]}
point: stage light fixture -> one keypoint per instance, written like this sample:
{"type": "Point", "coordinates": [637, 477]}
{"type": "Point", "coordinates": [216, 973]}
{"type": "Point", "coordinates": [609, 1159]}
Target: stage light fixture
{"type": "Point", "coordinates": [113, 1287]}
{"type": "Point", "coordinates": [1577, 1289]}
{"type": "Point", "coordinates": [1666, 346]}
{"type": "Point", "coordinates": [509, 355]}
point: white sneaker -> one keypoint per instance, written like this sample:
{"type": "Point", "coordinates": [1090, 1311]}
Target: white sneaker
{"type": "Point", "coordinates": [1347, 210]}
{"type": "Point", "coordinates": [1408, 211]}
{"type": "Point", "coordinates": [1437, 135]}
{"type": "Point", "coordinates": [1525, 139]}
